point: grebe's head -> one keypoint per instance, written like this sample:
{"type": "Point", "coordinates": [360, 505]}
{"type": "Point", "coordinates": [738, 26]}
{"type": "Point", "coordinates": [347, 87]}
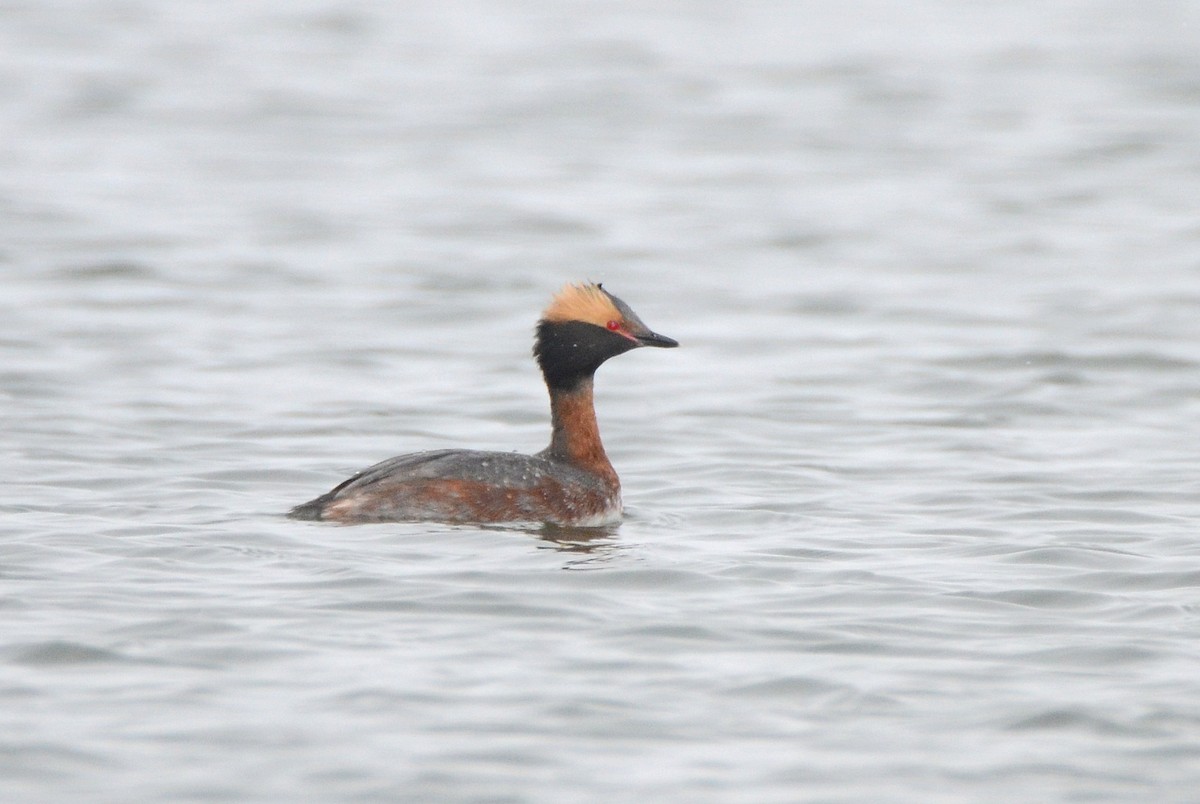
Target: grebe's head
{"type": "Point", "coordinates": [584, 326]}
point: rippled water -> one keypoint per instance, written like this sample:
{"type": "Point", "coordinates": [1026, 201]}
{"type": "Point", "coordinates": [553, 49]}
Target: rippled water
{"type": "Point", "coordinates": [912, 513]}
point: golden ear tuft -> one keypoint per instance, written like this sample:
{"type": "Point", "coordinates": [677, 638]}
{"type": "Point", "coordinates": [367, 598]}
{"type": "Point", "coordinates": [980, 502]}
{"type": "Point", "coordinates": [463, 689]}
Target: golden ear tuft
{"type": "Point", "coordinates": [582, 302]}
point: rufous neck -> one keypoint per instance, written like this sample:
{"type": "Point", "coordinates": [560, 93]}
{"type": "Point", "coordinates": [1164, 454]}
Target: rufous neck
{"type": "Point", "coordinates": [576, 435]}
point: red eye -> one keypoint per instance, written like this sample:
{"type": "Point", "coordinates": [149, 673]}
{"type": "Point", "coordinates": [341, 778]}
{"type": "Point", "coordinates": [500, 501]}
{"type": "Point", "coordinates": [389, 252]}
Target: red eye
{"type": "Point", "coordinates": [614, 325]}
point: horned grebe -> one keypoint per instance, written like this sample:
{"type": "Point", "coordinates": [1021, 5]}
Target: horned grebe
{"type": "Point", "coordinates": [570, 482]}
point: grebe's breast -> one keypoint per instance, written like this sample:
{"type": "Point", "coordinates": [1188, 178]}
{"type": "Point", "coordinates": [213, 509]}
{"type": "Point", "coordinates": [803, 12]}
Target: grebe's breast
{"type": "Point", "coordinates": [471, 486]}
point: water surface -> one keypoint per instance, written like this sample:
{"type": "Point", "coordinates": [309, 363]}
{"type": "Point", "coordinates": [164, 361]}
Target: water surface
{"type": "Point", "coordinates": [911, 513]}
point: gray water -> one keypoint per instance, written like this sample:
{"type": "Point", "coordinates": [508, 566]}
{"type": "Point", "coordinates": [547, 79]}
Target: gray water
{"type": "Point", "coordinates": [912, 513]}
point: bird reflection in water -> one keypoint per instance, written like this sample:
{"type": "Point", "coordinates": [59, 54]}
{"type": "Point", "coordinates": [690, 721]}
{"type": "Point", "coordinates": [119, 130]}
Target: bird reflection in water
{"type": "Point", "coordinates": [595, 547]}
